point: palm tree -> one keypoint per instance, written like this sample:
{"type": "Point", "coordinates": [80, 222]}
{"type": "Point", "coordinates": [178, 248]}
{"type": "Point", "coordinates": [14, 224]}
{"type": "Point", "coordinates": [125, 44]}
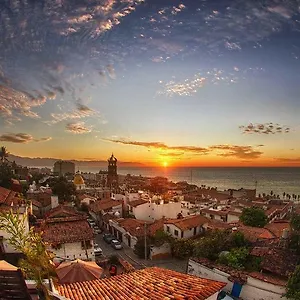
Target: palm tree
{"type": "Point", "coordinates": [3, 154]}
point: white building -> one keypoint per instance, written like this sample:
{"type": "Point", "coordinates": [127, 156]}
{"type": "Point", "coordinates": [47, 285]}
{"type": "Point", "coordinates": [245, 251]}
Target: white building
{"type": "Point", "coordinates": [154, 210]}
{"type": "Point", "coordinates": [68, 234]}
{"type": "Point", "coordinates": [186, 227]}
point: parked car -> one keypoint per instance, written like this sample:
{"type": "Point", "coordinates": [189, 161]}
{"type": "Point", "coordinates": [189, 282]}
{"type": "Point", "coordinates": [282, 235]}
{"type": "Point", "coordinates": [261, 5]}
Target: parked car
{"type": "Point", "coordinates": [98, 251]}
{"type": "Point", "coordinates": [97, 230]}
{"type": "Point", "coordinates": [116, 244]}
{"type": "Point", "coordinates": [108, 238]}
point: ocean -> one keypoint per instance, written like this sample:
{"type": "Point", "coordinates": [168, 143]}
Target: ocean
{"type": "Point", "coordinates": [278, 180]}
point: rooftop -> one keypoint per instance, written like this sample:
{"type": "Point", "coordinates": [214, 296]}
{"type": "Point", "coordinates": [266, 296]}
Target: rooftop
{"type": "Point", "coordinates": [104, 204]}
{"type": "Point", "coordinates": [8, 197]}
{"type": "Point", "coordinates": [188, 222]}
{"type": "Point", "coordinates": [136, 203]}
{"type": "Point", "coordinates": [150, 283]}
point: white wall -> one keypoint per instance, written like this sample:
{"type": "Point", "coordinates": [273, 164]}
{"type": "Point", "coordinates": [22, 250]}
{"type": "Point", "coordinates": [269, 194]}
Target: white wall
{"type": "Point", "coordinates": [213, 297]}
{"type": "Point", "coordinates": [73, 251]}
{"type": "Point", "coordinates": [7, 247]}
{"type": "Point", "coordinates": [186, 234]}
{"type": "Point", "coordinates": [163, 249]}
{"type": "Point", "coordinates": [232, 218]}
{"type": "Point", "coordinates": [54, 201]}
{"type": "Point", "coordinates": [153, 211]}
{"type": "Point", "coordinates": [254, 289]}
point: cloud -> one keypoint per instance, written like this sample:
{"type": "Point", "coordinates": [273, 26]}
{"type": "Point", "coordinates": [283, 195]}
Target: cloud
{"type": "Point", "coordinates": [78, 128]}
{"type": "Point", "coordinates": [284, 12]}
{"type": "Point", "coordinates": [288, 160]}
{"type": "Point", "coordinates": [264, 128]}
{"type": "Point", "coordinates": [172, 154]}
{"type": "Point", "coordinates": [81, 111]}
{"type": "Point", "coordinates": [161, 146]}
{"type": "Point", "coordinates": [21, 138]}
{"type": "Point", "coordinates": [242, 152]}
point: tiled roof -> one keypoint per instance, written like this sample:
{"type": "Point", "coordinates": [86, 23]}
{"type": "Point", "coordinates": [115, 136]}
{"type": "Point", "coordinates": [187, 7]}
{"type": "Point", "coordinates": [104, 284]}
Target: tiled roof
{"type": "Point", "coordinates": [62, 211]}
{"type": "Point", "coordinates": [150, 283]}
{"type": "Point", "coordinates": [105, 204]}
{"type": "Point", "coordinates": [136, 203]}
{"type": "Point", "coordinates": [8, 197]}
{"type": "Point", "coordinates": [278, 227]}
{"type": "Point", "coordinates": [133, 226]}
{"type": "Point", "coordinates": [157, 225]}
{"type": "Point", "coordinates": [254, 234]}
{"type": "Point", "coordinates": [67, 231]}
{"type": "Point", "coordinates": [188, 222]}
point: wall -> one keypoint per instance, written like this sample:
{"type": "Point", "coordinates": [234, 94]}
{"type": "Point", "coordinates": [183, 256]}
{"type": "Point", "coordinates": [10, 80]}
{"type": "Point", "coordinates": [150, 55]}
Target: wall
{"type": "Point", "coordinates": [163, 251]}
{"type": "Point", "coordinates": [73, 251]}
{"type": "Point", "coordinates": [153, 211]}
{"type": "Point", "coordinates": [232, 218]}
{"type": "Point", "coordinates": [54, 201]}
{"type": "Point", "coordinates": [254, 289]}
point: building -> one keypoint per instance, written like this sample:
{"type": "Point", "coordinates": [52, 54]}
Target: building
{"type": "Point", "coordinates": [63, 167]}
{"type": "Point", "coordinates": [149, 283]}
{"type": "Point", "coordinates": [186, 227]}
{"type": "Point", "coordinates": [79, 182]}
{"type": "Point", "coordinates": [68, 234]}
{"type": "Point", "coordinates": [112, 174]}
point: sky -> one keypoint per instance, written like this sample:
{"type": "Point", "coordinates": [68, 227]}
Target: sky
{"type": "Point", "coordinates": [160, 82]}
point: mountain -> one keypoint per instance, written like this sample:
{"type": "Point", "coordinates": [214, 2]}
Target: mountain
{"type": "Point", "coordinates": [49, 162]}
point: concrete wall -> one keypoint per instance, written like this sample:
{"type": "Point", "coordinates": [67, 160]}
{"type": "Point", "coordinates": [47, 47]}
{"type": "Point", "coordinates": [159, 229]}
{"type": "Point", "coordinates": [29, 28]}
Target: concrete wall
{"type": "Point", "coordinates": [186, 234]}
{"type": "Point", "coordinates": [160, 252]}
{"type": "Point", "coordinates": [54, 201]}
{"type": "Point", "coordinates": [232, 218]}
{"type": "Point", "coordinates": [153, 211]}
{"type": "Point", "coordinates": [73, 251]}
{"type": "Point", "coordinates": [254, 289]}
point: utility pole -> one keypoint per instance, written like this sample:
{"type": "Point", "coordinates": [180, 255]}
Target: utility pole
{"type": "Point", "coordinates": [145, 239]}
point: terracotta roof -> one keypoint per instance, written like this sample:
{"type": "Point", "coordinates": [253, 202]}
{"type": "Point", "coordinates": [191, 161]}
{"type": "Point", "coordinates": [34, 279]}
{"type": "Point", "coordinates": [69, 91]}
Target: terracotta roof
{"type": "Point", "coordinates": [62, 211]}
{"type": "Point", "coordinates": [216, 224]}
{"type": "Point", "coordinates": [67, 231]}
{"type": "Point", "coordinates": [150, 283]}
{"type": "Point", "coordinates": [188, 222]}
{"type": "Point", "coordinates": [254, 234]}
{"type": "Point", "coordinates": [133, 226]}
{"type": "Point", "coordinates": [277, 227]}
{"type": "Point", "coordinates": [157, 225]}
{"type": "Point", "coordinates": [267, 278]}
{"type": "Point", "coordinates": [136, 203]}
{"type": "Point", "coordinates": [8, 197]}
{"type": "Point", "coordinates": [104, 204]}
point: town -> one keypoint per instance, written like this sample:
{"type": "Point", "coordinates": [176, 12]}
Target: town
{"type": "Point", "coordinates": [112, 236]}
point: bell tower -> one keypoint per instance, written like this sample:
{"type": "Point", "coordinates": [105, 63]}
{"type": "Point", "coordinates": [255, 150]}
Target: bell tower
{"type": "Point", "coordinates": [112, 174]}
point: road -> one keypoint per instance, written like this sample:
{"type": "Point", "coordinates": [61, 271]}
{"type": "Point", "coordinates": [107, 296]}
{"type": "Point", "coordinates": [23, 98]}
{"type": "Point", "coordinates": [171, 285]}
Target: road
{"type": "Point", "coordinates": [127, 254]}
{"type": "Point", "coordinates": [108, 250]}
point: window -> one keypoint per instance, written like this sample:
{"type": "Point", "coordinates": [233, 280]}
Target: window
{"type": "Point", "coordinates": [176, 232]}
{"type": "Point", "coordinates": [168, 229]}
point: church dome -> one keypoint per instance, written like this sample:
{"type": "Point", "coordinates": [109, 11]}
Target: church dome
{"type": "Point", "coordinates": [78, 180]}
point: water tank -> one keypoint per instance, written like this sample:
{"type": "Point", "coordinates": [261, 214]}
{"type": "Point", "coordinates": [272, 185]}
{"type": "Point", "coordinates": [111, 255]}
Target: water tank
{"type": "Point", "coordinates": [285, 233]}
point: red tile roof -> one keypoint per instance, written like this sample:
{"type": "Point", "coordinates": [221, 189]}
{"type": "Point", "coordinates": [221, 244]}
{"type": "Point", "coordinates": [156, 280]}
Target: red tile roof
{"type": "Point", "coordinates": [150, 283]}
{"type": "Point", "coordinates": [188, 222]}
{"type": "Point", "coordinates": [67, 231]}
{"type": "Point", "coordinates": [278, 227]}
{"type": "Point", "coordinates": [133, 226]}
{"type": "Point", "coordinates": [62, 211]}
{"type": "Point", "coordinates": [8, 197]}
{"type": "Point", "coordinates": [254, 234]}
{"type": "Point", "coordinates": [136, 203]}
{"type": "Point", "coordinates": [103, 205]}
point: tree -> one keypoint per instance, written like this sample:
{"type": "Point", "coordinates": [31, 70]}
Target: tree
{"type": "Point", "coordinates": [293, 285]}
{"type": "Point", "coordinates": [63, 189]}
{"type": "Point", "coordinates": [295, 222]}
{"type": "Point", "coordinates": [253, 216]}
{"type": "Point", "coordinates": [6, 175]}
{"type": "Point", "coordinates": [37, 264]}
{"type": "Point", "coordinates": [236, 258]}
{"type": "Point", "coordinates": [182, 248]}
{"type": "Point", "coordinates": [3, 154]}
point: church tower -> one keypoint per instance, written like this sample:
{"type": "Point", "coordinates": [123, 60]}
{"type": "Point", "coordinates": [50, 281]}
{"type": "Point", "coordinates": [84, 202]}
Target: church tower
{"type": "Point", "coordinates": [112, 176]}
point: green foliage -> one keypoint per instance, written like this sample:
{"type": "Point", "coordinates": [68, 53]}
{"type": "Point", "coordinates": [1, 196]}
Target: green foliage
{"type": "Point", "coordinates": [37, 264]}
{"type": "Point", "coordinates": [63, 189]}
{"type": "Point", "coordinates": [218, 240]}
{"type": "Point", "coordinates": [236, 258]}
{"type": "Point", "coordinates": [253, 264]}
{"type": "Point", "coordinates": [182, 248]}
{"type": "Point", "coordinates": [254, 217]}
{"type": "Point", "coordinates": [295, 222]}
{"type": "Point", "coordinates": [294, 242]}
{"type": "Point", "coordinates": [139, 247]}
{"type": "Point", "coordinates": [293, 285]}
{"type": "Point", "coordinates": [6, 174]}
{"type": "Point", "coordinates": [160, 238]}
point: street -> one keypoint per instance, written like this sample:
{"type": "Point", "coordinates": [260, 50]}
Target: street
{"type": "Point", "coordinates": [127, 254]}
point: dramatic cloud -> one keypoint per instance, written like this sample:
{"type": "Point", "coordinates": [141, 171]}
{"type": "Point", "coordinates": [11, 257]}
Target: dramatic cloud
{"type": "Point", "coordinates": [21, 138]}
{"type": "Point", "coordinates": [266, 128]}
{"type": "Point", "coordinates": [78, 128]}
{"type": "Point", "coordinates": [295, 160]}
{"type": "Point", "coordinates": [242, 152]}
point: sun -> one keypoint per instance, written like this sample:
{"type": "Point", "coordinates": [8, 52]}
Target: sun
{"type": "Point", "coordinates": [165, 164]}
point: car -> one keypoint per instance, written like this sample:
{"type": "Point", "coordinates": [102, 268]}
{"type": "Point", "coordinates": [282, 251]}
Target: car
{"type": "Point", "coordinates": [116, 244]}
{"type": "Point", "coordinates": [108, 238]}
{"type": "Point", "coordinates": [98, 251]}
{"type": "Point", "coordinates": [97, 231]}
